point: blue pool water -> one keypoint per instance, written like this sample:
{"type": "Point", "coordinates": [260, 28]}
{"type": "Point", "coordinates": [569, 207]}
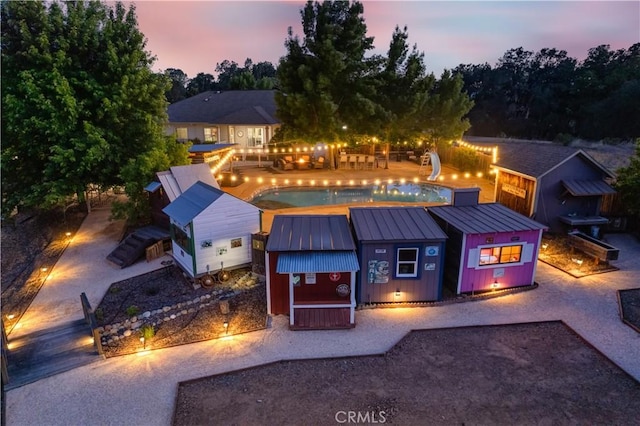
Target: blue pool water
{"type": "Point", "coordinates": [322, 196]}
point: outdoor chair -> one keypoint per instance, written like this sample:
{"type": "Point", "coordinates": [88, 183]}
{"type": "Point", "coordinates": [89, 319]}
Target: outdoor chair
{"type": "Point", "coordinates": [286, 163]}
{"type": "Point", "coordinates": [343, 161]}
{"type": "Point", "coordinates": [370, 161]}
{"type": "Point", "coordinates": [352, 161]}
{"type": "Point", "coordinates": [319, 163]}
{"type": "Point", "coordinates": [360, 161]}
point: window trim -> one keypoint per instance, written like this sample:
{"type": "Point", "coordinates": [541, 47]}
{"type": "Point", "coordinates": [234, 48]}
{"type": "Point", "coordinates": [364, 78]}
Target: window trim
{"type": "Point", "coordinates": [185, 130]}
{"type": "Point", "coordinates": [499, 263]}
{"type": "Point", "coordinates": [251, 137]}
{"type": "Point", "coordinates": [214, 134]}
{"type": "Point", "coordinates": [415, 262]}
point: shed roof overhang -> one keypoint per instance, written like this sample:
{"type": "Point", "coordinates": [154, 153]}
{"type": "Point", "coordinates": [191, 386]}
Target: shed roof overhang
{"type": "Point", "coordinates": [317, 261]}
{"type": "Point", "coordinates": [585, 188]}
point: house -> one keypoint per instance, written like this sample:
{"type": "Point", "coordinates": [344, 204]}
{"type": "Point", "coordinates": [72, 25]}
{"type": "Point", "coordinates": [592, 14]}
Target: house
{"type": "Point", "coordinates": [311, 271]}
{"type": "Point", "coordinates": [246, 118]}
{"type": "Point", "coordinates": [559, 186]}
{"type": "Point", "coordinates": [489, 246]}
{"type": "Point", "coordinates": [211, 229]}
{"type": "Point", "coordinates": [400, 252]}
{"type": "Point", "coordinates": [170, 184]}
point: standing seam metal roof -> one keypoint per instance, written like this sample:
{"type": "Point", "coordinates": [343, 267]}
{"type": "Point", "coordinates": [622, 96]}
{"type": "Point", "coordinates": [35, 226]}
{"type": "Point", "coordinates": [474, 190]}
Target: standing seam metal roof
{"type": "Point", "coordinates": [485, 218]}
{"type": "Point", "coordinates": [310, 233]}
{"type": "Point", "coordinates": [394, 224]}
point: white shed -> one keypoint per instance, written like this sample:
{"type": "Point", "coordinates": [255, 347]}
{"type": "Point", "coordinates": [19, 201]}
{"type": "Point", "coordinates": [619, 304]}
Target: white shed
{"type": "Point", "coordinates": [211, 229]}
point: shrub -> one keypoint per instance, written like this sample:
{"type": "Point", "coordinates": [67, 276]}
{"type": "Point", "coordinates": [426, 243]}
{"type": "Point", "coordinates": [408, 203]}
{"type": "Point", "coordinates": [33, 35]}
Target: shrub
{"type": "Point", "coordinates": [132, 310]}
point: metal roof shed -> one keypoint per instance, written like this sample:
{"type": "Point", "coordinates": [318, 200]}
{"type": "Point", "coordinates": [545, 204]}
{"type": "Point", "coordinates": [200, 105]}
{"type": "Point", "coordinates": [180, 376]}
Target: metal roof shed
{"type": "Point", "coordinates": [311, 269]}
{"type": "Point", "coordinates": [401, 254]}
{"type": "Point", "coordinates": [211, 229]}
{"type": "Point", "coordinates": [489, 247]}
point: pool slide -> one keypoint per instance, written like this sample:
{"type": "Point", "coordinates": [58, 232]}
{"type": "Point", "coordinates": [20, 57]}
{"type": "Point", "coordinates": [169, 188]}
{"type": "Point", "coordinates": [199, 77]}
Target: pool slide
{"type": "Point", "coordinates": [435, 164]}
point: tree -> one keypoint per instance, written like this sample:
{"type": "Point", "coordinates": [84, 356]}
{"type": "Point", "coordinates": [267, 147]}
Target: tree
{"type": "Point", "coordinates": [628, 183]}
{"type": "Point", "coordinates": [179, 80]}
{"type": "Point", "coordinates": [201, 83]}
{"type": "Point", "coordinates": [326, 81]}
{"type": "Point", "coordinates": [443, 111]}
{"type": "Point", "coordinates": [403, 89]}
{"type": "Point", "coordinates": [138, 172]}
{"type": "Point", "coordinates": [226, 71]}
{"type": "Point", "coordinates": [79, 101]}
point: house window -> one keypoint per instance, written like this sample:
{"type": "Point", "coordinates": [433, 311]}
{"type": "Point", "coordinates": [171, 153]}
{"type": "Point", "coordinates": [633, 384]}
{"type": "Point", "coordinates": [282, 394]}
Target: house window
{"type": "Point", "coordinates": [499, 255]}
{"type": "Point", "coordinates": [182, 134]}
{"type": "Point", "coordinates": [211, 134]}
{"type": "Point", "coordinates": [181, 238]}
{"type": "Point", "coordinates": [407, 263]}
{"type": "Point", "coordinates": [255, 136]}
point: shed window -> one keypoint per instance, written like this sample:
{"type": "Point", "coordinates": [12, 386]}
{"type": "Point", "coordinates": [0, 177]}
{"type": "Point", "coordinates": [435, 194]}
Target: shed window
{"type": "Point", "coordinates": [407, 263]}
{"type": "Point", "coordinates": [181, 238]}
{"type": "Point", "coordinates": [501, 254]}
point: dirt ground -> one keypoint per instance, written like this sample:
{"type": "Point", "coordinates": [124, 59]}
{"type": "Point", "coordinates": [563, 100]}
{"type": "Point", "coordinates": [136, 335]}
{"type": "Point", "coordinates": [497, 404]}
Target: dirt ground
{"type": "Point", "coordinates": [557, 251]}
{"type": "Point", "coordinates": [168, 287]}
{"type": "Point", "coordinates": [536, 373]}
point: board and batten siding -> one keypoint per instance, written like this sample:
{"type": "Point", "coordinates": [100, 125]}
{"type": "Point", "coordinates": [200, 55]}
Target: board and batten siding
{"type": "Point", "coordinates": [226, 219]}
{"type": "Point", "coordinates": [480, 278]}
{"type": "Point", "coordinates": [425, 287]}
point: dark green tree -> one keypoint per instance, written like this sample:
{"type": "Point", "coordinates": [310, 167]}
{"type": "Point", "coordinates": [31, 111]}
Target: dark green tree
{"type": "Point", "coordinates": [79, 101]}
{"type": "Point", "coordinates": [403, 88]}
{"type": "Point", "coordinates": [201, 83]}
{"type": "Point", "coordinates": [226, 70]}
{"type": "Point", "coordinates": [442, 114]}
{"type": "Point", "coordinates": [179, 81]}
{"type": "Point", "coordinates": [326, 81]}
{"type": "Point", "coordinates": [628, 184]}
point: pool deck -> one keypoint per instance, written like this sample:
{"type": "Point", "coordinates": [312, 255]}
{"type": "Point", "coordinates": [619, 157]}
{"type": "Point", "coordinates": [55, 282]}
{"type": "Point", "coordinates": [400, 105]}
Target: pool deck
{"type": "Point", "coordinates": [397, 170]}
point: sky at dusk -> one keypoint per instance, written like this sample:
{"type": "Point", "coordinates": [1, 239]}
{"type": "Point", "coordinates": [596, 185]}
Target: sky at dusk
{"type": "Point", "coordinates": [195, 36]}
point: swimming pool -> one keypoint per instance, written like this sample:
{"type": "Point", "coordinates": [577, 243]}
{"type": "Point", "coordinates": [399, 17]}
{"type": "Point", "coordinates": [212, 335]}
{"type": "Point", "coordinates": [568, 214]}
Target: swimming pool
{"type": "Point", "coordinates": [323, 196]}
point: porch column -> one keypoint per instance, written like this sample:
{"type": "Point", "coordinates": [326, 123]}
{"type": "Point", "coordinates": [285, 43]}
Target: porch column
{"type": "Point", "coordinates": [291, 310]}
{"type": "Point", "coordinates": [352, 313]}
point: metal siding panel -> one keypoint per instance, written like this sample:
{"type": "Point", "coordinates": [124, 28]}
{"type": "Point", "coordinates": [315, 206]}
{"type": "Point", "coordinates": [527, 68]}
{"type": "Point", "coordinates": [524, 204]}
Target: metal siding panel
{"type": "Point", "coordinates": [322, 261]}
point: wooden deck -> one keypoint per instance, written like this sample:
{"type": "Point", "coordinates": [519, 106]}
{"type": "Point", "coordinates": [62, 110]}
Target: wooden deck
{"type": "Point", "coordinates": [48, 352]}
{"type": "Point", "coordinates": [321, 319]}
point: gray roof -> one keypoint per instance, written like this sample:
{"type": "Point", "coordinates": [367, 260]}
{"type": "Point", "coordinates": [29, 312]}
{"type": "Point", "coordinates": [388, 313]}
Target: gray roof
{"type": "Point", "coordinates": [580, 188]}
{"type": "Point", "coordinates": [535, 159]}
{"type": "Point", "coordinates": [394, 224]}
{"type": "Point", "coordinates": [310, 233]}
{"type": "Point", "coordinates": [228, 107]}
{"type": "Point", "coordinates": [485, 218]}
{"type": "Point", "coordinates": [192, 202]}
{"type": "Point", "coordinates": [317, 261]}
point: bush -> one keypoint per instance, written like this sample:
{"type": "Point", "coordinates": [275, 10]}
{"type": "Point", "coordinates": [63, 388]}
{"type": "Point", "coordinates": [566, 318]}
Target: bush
{"type": "Point", "coordinates": [133, 310]}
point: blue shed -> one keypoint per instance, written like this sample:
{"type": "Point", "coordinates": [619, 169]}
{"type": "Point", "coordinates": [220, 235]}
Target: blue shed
{"type": "Point", "coordinates": [400, 252]}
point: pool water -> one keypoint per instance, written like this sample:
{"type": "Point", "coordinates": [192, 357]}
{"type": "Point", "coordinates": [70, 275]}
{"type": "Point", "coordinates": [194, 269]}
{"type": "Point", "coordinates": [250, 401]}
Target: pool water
{"type": "Point", "coordinates": [323, 196]}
